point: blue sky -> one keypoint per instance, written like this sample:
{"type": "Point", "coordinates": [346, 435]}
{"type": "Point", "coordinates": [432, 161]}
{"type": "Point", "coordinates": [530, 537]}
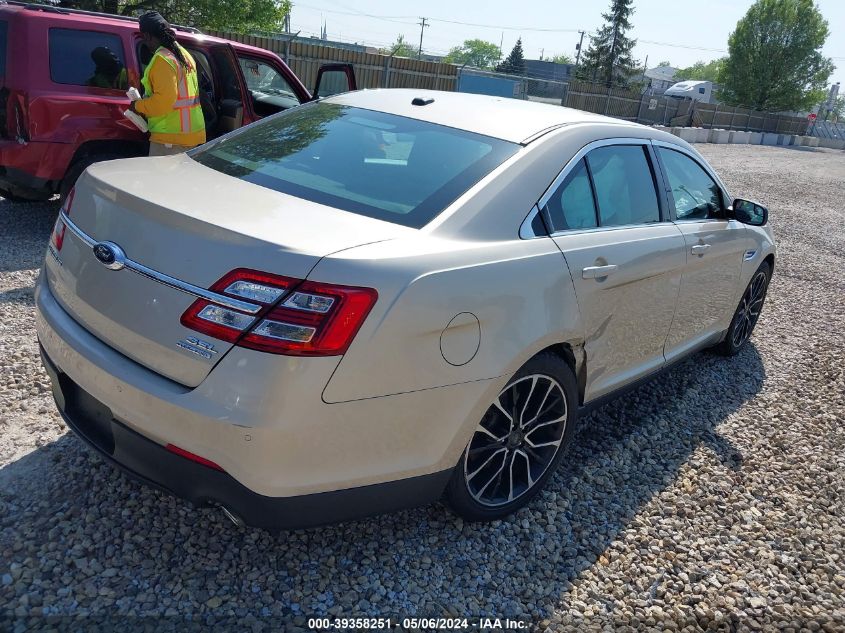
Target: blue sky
{"type": "Point", "coordinates": [680, 32]}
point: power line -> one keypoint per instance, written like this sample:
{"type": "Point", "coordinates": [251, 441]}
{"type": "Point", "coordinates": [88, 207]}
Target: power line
{"type": "Point", "coordinates": [402, 19]}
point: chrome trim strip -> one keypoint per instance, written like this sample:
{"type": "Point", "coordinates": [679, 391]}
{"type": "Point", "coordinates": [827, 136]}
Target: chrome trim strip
{"type": "Point", "coordinates": [167, 280]}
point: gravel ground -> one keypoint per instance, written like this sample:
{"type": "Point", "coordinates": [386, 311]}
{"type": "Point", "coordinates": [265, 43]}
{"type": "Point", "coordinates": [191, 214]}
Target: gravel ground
{"type": "Point", "coordinates": [712, 499]}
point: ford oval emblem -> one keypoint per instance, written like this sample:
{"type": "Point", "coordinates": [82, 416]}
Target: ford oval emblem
{"type": "Point", "coordinates": [110, 255]}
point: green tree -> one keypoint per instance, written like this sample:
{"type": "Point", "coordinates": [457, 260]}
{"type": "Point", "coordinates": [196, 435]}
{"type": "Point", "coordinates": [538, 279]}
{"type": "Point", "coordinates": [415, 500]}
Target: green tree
{"type": "Point", "coordinates": [664, 63]}
{"type": "Point", "coordinates": [609, 57]}
{"type": "Point", "coordinates": [226, 15]}
{"type": "Point", "coordinates": [701, 71]}
{"type": "Point", "coordinates": [563, 58]}
{"type": "Point", "coordinates": [400, 48]}
{"type": "Point", "coordinates": [476, 53]}
{"type": "Point", "coordinates": [514, 63]}
{"type": "Point", "coordinates": [775, 61]}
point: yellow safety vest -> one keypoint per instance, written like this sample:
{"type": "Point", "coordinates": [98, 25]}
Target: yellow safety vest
{"type": "Point", "coordinates": [186, 116]}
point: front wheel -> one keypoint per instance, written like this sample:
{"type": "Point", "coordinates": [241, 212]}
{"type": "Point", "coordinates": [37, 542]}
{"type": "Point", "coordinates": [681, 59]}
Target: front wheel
{"type": "Point", "coordinates": [518, 443]}
{"type": "Point", "coordinates": [747, 312]}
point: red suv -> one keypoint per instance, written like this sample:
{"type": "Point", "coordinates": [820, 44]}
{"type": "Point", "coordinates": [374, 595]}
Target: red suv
{"type": "Point", "coordinates": [63, 80]}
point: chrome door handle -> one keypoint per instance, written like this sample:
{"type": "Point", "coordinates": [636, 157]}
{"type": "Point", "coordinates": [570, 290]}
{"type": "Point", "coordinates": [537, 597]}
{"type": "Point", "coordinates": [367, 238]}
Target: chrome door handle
{"type": "Point", "coordinates": [598, 272]}
{"type": "Point", "coordinates": [700, 249]}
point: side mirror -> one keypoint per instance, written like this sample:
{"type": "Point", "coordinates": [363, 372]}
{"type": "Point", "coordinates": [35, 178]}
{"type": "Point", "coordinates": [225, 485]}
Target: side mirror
{"type": "Point", "coordinates": [749, 212]}
{"type": "Point", "coordinates": [333, 79]}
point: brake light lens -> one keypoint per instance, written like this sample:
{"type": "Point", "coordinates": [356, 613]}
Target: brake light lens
{"type": "Point", "coordinates": [58, 235]}
{"type": "Point", "coordinates": [228, 324]}
{"type": "Point", "coordinates": [297, 318]}
{"type": "Point", "coordinates": [316, 320]}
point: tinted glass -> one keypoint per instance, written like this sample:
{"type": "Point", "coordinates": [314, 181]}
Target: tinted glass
{"type": "Point", "coordinates": [624, 185]}
{"type": "Point", "coordinates": [270, 91]}
{"type": "Point", "coordinates": [3, 29]}
{"type": "Point", "coordinates": [696, 194]}
{"type": "Point", "coordinates": [379, 165]}
{"type": "Point", "coordinates": [87, 58]}
{"type": "Point", "coordinates": [572, 205]}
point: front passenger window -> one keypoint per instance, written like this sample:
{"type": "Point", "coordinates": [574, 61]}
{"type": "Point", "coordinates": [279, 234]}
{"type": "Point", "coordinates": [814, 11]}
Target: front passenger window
{"type": "Point", "coordinates": [695, 193]}
{"type": "Point", "coordinates": [624, 185]}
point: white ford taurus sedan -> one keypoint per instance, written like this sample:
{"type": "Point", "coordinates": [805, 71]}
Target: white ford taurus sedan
{"type": "Point", "coordinates": [384, 298]}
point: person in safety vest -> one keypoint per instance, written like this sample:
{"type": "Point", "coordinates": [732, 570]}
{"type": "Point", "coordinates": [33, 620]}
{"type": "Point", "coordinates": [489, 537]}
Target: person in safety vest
{"type": "Point", "coordinates": [171, 100]}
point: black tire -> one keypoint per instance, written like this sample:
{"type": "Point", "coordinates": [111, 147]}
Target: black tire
{"type": "Point", "coordinates": [747, 312]}
{"type": "Point", "coordinates": [546, 374]}
{"type": "Point", "coordinates": [11, 197]}
{"type": "Point", "coordinates": [76, 170]}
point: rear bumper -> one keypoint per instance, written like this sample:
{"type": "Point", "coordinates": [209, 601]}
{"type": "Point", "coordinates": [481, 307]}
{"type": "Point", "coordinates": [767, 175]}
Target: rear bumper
{"type": "Point", "coordinates": [290, 459]}
{"type": "Point", "coordinates": [154, 465]}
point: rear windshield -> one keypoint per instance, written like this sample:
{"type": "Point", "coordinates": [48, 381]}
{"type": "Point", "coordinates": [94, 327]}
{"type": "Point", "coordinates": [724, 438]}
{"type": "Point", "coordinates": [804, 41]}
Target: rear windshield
{"type": "Point", "coordinates": [380, 165]}
{"type": "Point", "coordinates": [3, 28]}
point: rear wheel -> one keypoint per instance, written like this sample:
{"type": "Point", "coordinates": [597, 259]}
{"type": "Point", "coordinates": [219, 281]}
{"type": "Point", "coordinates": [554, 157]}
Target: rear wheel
{"type": "Point", "coordinates": [77, 169]}
{"type": "Point", "coordinates": [518, 443]}
{"type": "Point", "coordinates": [747, 312]}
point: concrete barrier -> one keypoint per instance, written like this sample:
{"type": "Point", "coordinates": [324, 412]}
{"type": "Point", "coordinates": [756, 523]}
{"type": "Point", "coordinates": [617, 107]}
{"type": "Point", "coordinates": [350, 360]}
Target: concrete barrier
{"type": "Point", "coordinates": [689, 134]}
{"type": "Point", "coordinates": [719, 136]}
{"type": "Point", "coordinates": [832, 143]}
{"type": "Point", "coordinates": [738, 138]}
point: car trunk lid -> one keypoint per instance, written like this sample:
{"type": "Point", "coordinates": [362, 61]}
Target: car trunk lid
{"type": "Point", "coordinates": [185, 223]}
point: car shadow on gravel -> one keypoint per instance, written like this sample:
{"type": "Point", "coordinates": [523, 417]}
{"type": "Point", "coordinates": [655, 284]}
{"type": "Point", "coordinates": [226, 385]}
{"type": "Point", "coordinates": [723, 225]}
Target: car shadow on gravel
{"type": "Point", "coordinates": [96, 542]}
{"type": "Point", "coordinates": [25, 228]}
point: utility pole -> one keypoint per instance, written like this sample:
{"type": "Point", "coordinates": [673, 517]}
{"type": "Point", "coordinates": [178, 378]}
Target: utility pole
{"type": "Point", "coordinates": [422, 28]}
{"type": "Point", "coordinates": [578, 48]}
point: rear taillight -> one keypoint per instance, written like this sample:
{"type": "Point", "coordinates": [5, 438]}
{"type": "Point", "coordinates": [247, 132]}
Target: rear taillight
{"type": "Point", "coordinates": [228, 324]}
{"type": "Point", "coordinates": [293, 317]}
{"type": "Point", "coordinates": [314, 320]}
{"type": "Point", "coordinates": [58, 235]}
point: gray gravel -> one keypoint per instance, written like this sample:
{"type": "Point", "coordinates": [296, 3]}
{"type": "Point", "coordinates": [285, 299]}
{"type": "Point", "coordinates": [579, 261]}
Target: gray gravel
{"type": "Point", "coordinates": [710, 500]}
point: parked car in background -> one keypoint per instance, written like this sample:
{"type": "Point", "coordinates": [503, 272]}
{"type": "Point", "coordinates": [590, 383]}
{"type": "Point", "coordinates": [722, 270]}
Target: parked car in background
{"type": "Point", "coordinates": [694, 90]}
{"type": "Point", "coordinates": [63, 91]}
{"type": "Point", "coordinates": [379, 297]}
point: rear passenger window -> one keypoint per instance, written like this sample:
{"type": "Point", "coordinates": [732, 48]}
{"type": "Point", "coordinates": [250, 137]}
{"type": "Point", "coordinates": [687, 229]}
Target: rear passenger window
{"type": "Point", "coordinates": [87, 58]}
{"type": "Point", "coordinates": [572, 205]}
{"type": "Point", "coordinates": [624, 185]}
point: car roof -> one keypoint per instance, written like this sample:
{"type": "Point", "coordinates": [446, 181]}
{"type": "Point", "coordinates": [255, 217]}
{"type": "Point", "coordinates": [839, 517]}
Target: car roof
{"type": "Point", "coordinates": [514, 120]}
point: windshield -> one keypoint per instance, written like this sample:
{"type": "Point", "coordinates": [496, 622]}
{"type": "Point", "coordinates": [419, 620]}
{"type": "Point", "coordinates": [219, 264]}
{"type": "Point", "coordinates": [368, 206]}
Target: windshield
{"type": "Point", "coordinates": [380, 165]}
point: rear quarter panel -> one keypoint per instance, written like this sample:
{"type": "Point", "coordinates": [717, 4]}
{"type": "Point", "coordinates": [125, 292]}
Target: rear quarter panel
{"type": "Point", "coordinates": [519, 291]}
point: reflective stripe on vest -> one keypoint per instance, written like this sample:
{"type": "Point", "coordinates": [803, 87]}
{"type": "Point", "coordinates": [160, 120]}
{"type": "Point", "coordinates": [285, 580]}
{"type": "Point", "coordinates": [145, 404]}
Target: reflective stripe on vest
{"type": "Point", "coordinates": [184, 102]}
{"type": "Point", "coordinates": [187, 105]}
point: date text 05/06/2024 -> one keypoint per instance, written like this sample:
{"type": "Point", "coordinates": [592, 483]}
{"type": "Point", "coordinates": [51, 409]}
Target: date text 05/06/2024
{"type": "Point", "coordinates": [478, 624]}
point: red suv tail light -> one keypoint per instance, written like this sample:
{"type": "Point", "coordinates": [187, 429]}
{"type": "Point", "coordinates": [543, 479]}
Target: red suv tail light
{"type": "Point", "coordinates": [292, 317]}
{"type": "Point", "coordinates": [58, 235]}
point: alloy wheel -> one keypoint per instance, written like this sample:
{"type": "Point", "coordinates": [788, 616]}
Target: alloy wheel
{"type": "Point", "coordinates": [516, 440]}
{"type": "Point", "coordinates": [749, 309]}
